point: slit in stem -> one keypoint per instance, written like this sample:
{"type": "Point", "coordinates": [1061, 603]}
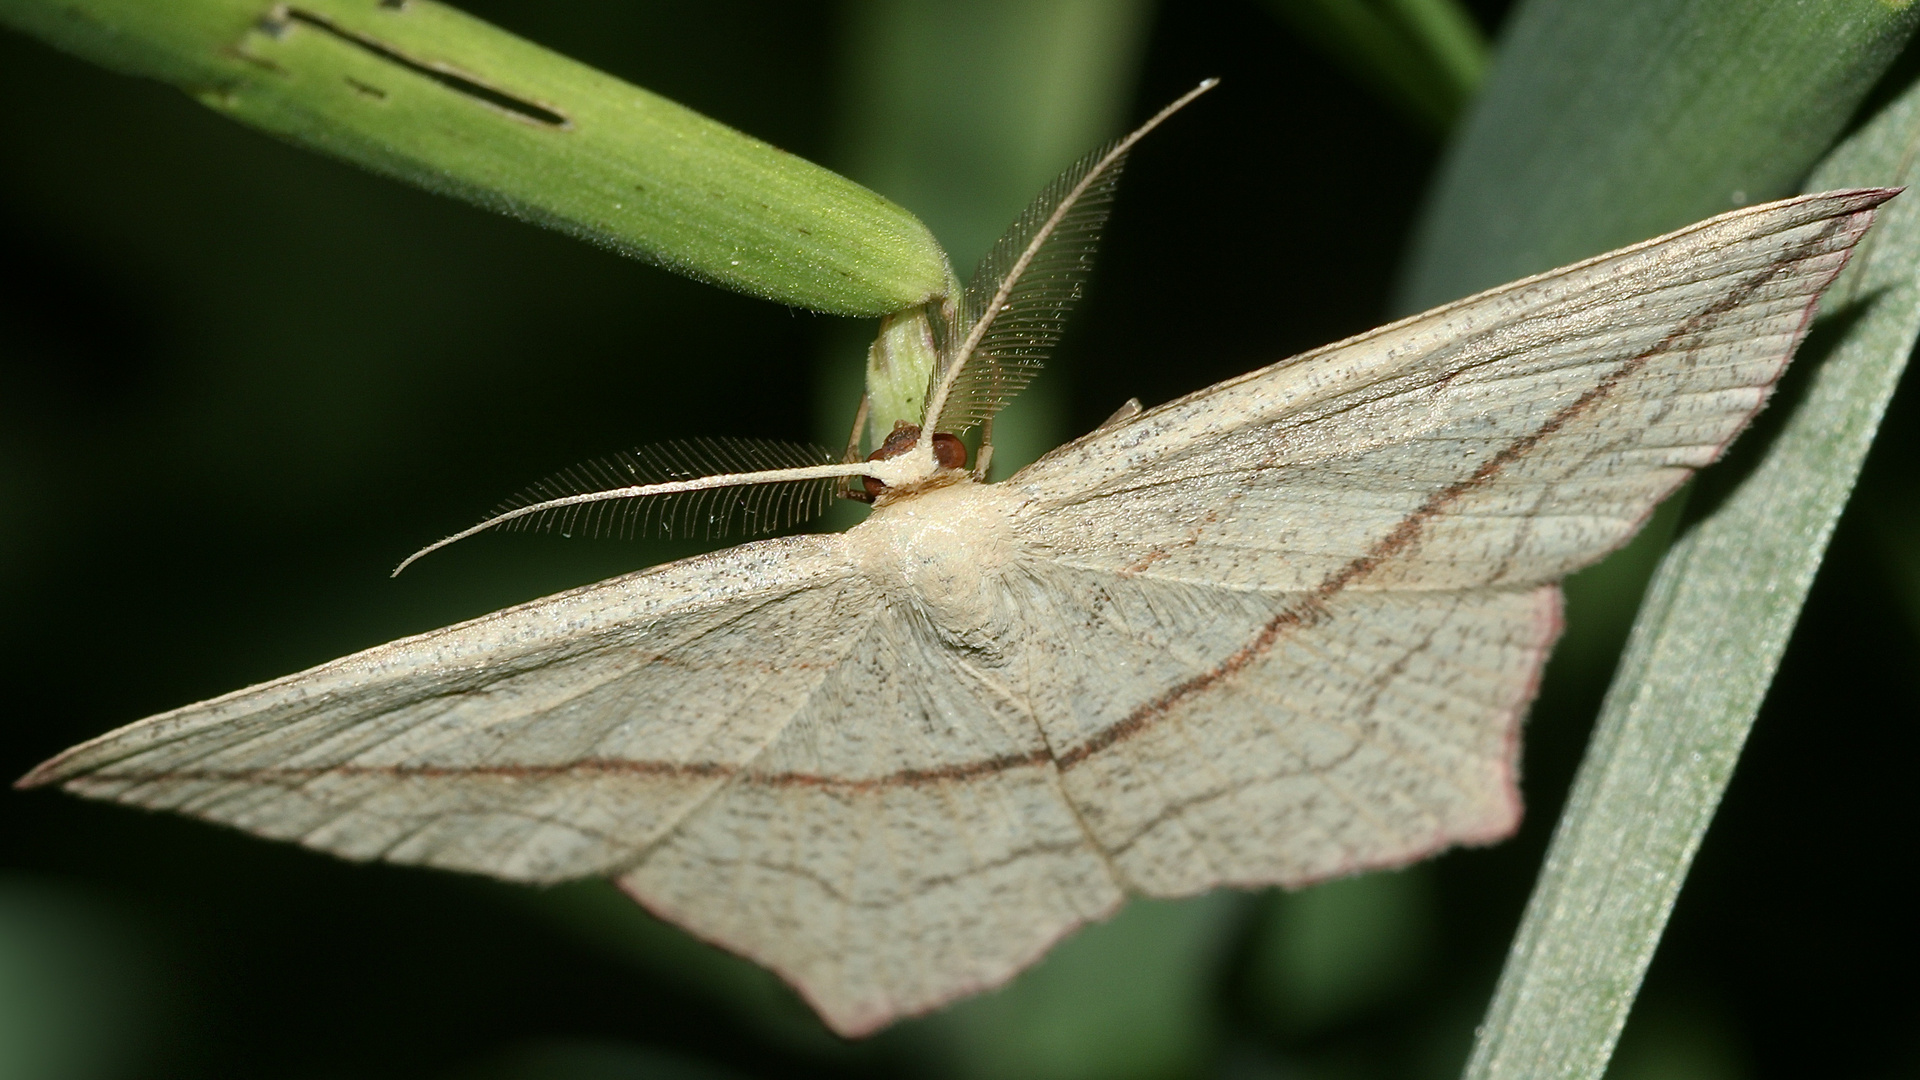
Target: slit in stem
{"type": "Point", "coordinates": [459, 83]}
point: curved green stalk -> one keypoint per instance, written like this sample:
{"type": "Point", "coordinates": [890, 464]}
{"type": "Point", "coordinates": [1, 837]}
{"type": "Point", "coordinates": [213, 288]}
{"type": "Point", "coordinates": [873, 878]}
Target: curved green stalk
{"type": "Point", "coordinates": [424, 93]}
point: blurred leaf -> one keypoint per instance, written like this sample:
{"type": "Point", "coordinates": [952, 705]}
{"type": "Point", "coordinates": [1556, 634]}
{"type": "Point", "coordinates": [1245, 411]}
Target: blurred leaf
{"type": "Point", "coordinates": [1329, 952]}
{"type": "Point", "coordinates": [1127, 998]}
{"type": "Point", "coordinates": [1716, 622]}
{"type": "Point", "coordinates": [592, 1061]}
{"type": "Point", "coordinates": [1679, 1039]}
{"type": "Point", "coordinates": [427, 94]}
{"type": "Point", "coordinates": [600, 914]}
{"type": "Point", "coordinates": [79, 1000]}
{"type": "Point", "coordinates": [1604, 122]}
{"type": "Point", "coordinates": [1426, 58]}
{"type": "Point", "coordinates": [1897, 530]}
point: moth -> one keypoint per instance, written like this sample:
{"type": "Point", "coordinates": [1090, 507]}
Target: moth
{"type": "Point", "coordinates": [1279, 630]}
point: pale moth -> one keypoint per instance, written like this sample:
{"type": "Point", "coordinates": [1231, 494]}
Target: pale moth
{"type": "Point", "coordinates": [1279, 630]}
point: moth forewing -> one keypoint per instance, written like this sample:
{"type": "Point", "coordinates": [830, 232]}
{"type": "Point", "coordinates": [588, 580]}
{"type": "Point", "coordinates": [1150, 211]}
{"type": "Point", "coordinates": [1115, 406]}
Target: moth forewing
{"type": "Point", "coordinates": [552, 740]}
{"type": "Point", "coordinates": [1503, 439]}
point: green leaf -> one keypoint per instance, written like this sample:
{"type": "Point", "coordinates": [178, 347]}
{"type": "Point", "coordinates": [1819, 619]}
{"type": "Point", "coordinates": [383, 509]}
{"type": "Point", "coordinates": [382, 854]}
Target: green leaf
{"type": "Point", "coordinates": [83, 992]}
{"type": "Point", "coordinates": [1604, 122]}
{"type": "Point", "coordinates": [1129, 998]}
{"type": "Point", "coordinates": [1710, 635]}
{"type": "Point", "coordinates": [1326, 955]}
{"type": "Point", "coordinates": [1426, 58]}
{"type": "Point", "coordinates": [424, 93]}
{"type": "Point", "coordinates": [590, 1059]}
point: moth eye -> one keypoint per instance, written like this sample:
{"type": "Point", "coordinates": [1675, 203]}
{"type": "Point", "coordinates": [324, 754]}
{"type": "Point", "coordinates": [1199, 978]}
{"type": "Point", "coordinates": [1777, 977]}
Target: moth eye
{"type": "Point", "coordinates": [949, 451]}
{"type": "Point", "coordinates": [874, 487]}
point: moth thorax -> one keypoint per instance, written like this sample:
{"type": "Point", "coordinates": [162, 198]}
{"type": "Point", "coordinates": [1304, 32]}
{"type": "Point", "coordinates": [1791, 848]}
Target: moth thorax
{"type": "Point", "coordinates": [948, 452]}
{"type": "Point", "coordinates": [945, 553]}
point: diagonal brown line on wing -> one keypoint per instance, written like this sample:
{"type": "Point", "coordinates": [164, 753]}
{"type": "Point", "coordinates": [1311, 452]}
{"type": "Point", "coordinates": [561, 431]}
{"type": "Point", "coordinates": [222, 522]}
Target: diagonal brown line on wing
{"type": "Point", "coordinates": [1401, 537]}
{"type": "Point", "coordinates": [591, 766]}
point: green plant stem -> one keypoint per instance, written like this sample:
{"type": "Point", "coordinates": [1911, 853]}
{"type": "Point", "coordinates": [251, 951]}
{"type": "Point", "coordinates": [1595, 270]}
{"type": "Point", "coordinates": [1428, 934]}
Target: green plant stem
{"type": "Point", "coordinates": [1702, 654]}
{"type": "Point", "coordinates": [424, 93]}
{"type": "Point", "coordinates": [1604, 122]}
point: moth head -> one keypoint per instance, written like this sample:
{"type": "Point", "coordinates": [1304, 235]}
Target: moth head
{"type": "Point", "coordinates": [949, 458]}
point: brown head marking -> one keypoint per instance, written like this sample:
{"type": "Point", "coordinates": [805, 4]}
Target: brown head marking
{"type": "Point", "coordinates": [948, 451]}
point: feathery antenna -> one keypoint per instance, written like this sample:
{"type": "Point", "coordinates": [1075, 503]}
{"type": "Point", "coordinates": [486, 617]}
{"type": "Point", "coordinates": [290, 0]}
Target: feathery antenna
{"type": "Point", "coordinates": [708, 487]}
{"type": "Point", "coordinates": [1012, 312]}
{"type": "Point", "coordinates": [1016, 303]}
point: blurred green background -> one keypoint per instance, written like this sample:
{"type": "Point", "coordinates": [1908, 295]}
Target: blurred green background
{"type": "Point", "coordinates": [239, 381]}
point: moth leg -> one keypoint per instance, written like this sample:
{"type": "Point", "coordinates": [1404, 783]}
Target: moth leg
{"type": "Point", "coordinates": [850, 487]}
{"type": "Point", "coordinates": [986, 450]}
{"type": "Point", "coordinates": [853, 437]}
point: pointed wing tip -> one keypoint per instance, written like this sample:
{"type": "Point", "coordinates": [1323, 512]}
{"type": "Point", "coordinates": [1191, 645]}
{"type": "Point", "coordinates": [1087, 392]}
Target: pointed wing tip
{"type": "Point", "coordinates": [61, 769]}
{"type": "Point", "coordinates": [47, 773]}
{"type": "Point", "coordinates": [1853, 200]}
{"type": "Point", "coordinates": [865, 1019]}
{"type": "Point", "coordinates": [861, 1016]}
{"type": "Point", "coordinates": [854, 1026]}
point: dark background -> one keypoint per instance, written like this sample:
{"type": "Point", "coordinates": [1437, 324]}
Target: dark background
{"type": "Point", "coordinates": [238, 382]}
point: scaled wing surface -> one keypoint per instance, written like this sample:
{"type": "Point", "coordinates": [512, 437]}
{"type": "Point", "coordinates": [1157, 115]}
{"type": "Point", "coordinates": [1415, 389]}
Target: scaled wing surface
{"type": "Point", "coordinates": [1387, 518]}
{"type": "Point", "coordinates": [1278, 630]}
